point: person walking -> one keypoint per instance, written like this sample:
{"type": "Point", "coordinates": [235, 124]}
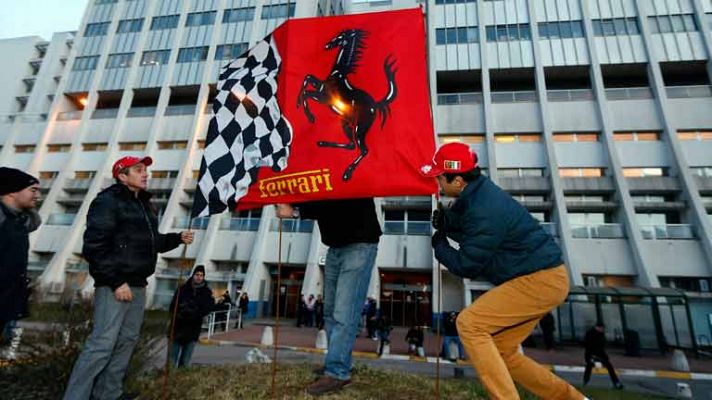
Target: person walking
{"type": "Point", "coordinates": [194, 301]}
{"type": "Point", "coordinates": [121, 244]}
{"type": "Point", "coordinates": [595, 345]}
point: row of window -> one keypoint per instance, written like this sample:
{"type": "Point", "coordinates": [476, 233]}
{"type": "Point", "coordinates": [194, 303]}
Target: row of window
{"type": "Point", "coordinates": [650, 136]}
{"type": "Point", "coordinates": [615, 26]}
{"type": "Point", "coordinates": [561, 30]}
{"type": "Point", "coordinates": [672, 23]}
{"type": "Point", "coordinates": [123, 146]}
{"type": "Point", "coordinates": [462, 34]}
{"type": "Point", "coordinates": [193, 19]}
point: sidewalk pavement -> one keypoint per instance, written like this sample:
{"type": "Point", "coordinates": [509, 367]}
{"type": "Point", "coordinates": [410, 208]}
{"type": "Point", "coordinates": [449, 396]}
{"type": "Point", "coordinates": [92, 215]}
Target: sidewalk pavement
{"type": "Point", "coordinates": [563, 359]}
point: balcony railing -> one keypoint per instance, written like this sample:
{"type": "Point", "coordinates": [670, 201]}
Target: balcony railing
{"type": "Point", "coordinates": [61, 219]}
{"type": "Point", "coordinates": [37, 266]}
{"type": "Point", "coordinates": [69, 115]}
{"type": "Point", "coordinates": [77, 266]}
{"type": "Point", "coordinates": [602, 231]}
{"type": "Point", "coordinates": [686, 92]}
{"type": "Point", "coordinates": [514, 97]}
{"type": "Point", "coordinates": [629, 93]}
{"type": "Point", "coordinates": [240, 224]}
{"type": "Point", "coordinates": [77, 184]}
{"type": "Point", "coordinates": [550, 228]}
{"type": "Point", "coordinates": [183, 109]}
{"type": "Point", "coordinates": [105, 113]}
{"type": "Point", "coordinates": [668, 232]}
{"type": "Point", "coordinates": [293, 225]}
{"type": "Point", "coordinates": [197, 223]}
{"type": "Point", "coordinates": [570, 95]}
{"type": "Point", "coordinates": [416, 228]}
{"type": "Point", "coordinates": [141, 112]}
{"type": "Point", "coordinates": [161, 183]}
{"type": "Point", "coordinates": [459, 98]}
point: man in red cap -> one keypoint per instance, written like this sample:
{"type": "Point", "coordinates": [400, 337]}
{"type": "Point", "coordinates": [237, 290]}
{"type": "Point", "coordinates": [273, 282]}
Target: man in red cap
{"type": "Point", "coordinates": [503, 244]}
{"type": "Point", "coordinates": [121, 244]}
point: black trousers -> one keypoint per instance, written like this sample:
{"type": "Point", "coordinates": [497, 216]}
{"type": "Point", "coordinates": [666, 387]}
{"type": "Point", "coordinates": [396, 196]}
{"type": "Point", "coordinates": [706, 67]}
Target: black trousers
{"type": "Point", "coordinates": [603, 359]}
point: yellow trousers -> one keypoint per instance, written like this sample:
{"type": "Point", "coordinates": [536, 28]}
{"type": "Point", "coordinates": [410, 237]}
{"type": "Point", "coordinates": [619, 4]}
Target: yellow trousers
{"type": "Point", "coordinates": [493, 327]}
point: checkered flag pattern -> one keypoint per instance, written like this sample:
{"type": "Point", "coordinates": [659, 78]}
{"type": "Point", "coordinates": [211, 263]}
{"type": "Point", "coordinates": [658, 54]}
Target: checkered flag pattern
{"type": "Point", "coordinates": [247, 130]}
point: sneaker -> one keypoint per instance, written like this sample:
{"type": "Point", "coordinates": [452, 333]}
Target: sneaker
{"type": "Point", "coordinates": [326, 384]}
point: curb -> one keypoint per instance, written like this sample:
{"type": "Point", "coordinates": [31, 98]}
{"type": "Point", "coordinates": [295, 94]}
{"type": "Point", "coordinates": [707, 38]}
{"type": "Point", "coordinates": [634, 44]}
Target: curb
{"type": "Point", "coordinates": [691, 376]}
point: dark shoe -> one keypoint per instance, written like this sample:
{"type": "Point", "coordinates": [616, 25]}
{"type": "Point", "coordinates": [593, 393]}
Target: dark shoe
{"type": "Point", "coordinates": [618, 385]}
{"type": "Point", "coordinates": [326, 384]}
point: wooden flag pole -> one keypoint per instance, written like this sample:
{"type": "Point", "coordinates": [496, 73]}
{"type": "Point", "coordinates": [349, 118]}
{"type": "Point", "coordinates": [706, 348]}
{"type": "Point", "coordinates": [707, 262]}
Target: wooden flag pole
{"type": "Point", "coordinates": [276, 323]}
{"type": "Point", "coordinates": [179, 283]}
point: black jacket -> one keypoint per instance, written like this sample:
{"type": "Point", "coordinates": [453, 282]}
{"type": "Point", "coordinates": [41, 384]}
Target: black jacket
{"type": "Point", "coordinates": [344, 222]}
{"type": "Point", "coordinates": [193, 306]}
{"type": "Point", "coordinates": [595, 343]}
{"type": "Point", "coordinates": [15, 227]}
{"type": "Point", "coordinates": [121, 241]}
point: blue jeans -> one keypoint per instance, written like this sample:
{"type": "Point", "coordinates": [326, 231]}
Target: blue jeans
{"type": "Point", "coordinates": [100, 369]}
{"type": "Point", "coordinates": [346, 277]}
{"type": "Point", "coordinates": [446, 347]}
{"type": "Point", "coordinates": [181, 353]}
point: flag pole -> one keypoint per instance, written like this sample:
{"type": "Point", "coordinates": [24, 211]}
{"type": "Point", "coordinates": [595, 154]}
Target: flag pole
{"type": "Point", "coordinates": [276, 324]}
{"type": "Point", "coordinates": [171, 337]}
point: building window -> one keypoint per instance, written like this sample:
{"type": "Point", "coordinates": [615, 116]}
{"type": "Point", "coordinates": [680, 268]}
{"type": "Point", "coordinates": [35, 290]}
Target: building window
{"type": "Point", "coordinates": [462, 34]}
{"type": "Point", "coordinates": [454, 1]}
{"type": "Point", "coordinates": [105, 1]}
{"type": "Point", "coordinates": [672, 23]}
{"type": "Point", "coordinates": [48, 174]}
{"type": "Point", "coordinates": [517, 137]}
{"type": "Point", "coordinates": [155, 57]}
{"type": "Point", "coordinates": [644, 172]}
{"type": "Point", "coordinates": [173, 145]}
{"type": "Point", "coordinates": [615, 26]}
{"type": "Point", "coordinates": [192, 54]}
{"type": "Point", "coordinates": [520, 172]}
{"type": "Point", "coordinates": [230, 51]}
{"type": "Point", "coordinates": [648, 199]}
{"type": "Point", "coordinates": [119, 60]}
{"type": "Point", "coordinates": [705, 172]}
{"type": "Point", "coordinates": [94, 146]}
{"type": "Point", "coordinates": [86, 63]}
{"type": "Point", "coordinates": [688, 284]}
{"type": "Point", "coordinates": [508, 33]}
{"type": "Point", "coordinates": [588, 218]}
{"type": "Point", "coordinates": [132, 146]}
{"type": "Point", "coordinates": [164, 174]}
{"type": "Point", "coordinates": [636, 136]}
{"type": "Point", "coordinates": [164, 22]}
{"type": "Point", "coordinates": [25, 148]}
{"type": "Point", "coordinates": [130, 25]}
{"type": "Point", "coordinates": [84, 174]}
{"type": "Point", "coordinates": [576, 137]}
{"type": "Point", "coordinates": [561, 30]}
{"type": "Point", "coordinates": [238, 14]}
{"type": "Point", "coordinates": [96, 29]}
{"type": "Point", "coordinates": [277, 11]}
{"type": "Point", "coordinates": [584, 198]}
{"type": "Point", "coordinates": [196, 174]}
{"type": "Point", "coordinates": [581, 172]}
{"type": "Point", "coordinates": [58, 148]}
{"type": "Point", "coordinates": [201, 18]}
{"type": "Point", "coordinates": [465, 138]}
{"type": "Point", "coordinates": [201, 144]}
{"type": "Point", "coordinates": [694, 135]}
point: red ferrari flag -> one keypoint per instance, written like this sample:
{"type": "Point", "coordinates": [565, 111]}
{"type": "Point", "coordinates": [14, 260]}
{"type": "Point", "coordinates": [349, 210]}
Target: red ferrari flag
{"type": "Point", "coordinates": [322, 108]}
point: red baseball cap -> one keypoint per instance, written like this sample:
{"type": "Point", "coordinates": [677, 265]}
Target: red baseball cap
{"type": "Point", "coordinates": [129, 161]}
{"type": "Point", "coordinates": [451, 158]}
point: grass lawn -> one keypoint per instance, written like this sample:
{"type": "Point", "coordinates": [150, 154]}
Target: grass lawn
{"type": "Point", "coordinates": [254, 382]}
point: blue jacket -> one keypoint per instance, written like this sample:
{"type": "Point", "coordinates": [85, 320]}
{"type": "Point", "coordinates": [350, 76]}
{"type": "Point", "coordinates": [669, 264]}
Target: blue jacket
{"type": "Point", "coordinates": [499, 240]}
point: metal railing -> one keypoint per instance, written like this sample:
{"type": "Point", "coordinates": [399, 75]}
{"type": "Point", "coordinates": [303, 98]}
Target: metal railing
{"type": "Point", "coordinates": [38, 266]}
{"type": "Point", "coordinates": [200, 223]}
{"type": "Point", "coordinates": [637, 93]}
{"type": "Point", "coordinates": [550, 228]}
{"type": "Point", "coordinates": [570, 95]}
{"type": "Point", "coordinates": [69, 115]}
{"type": "Point", "coordinates": [183, 109]}
{"type": "Point", "coordinates": [514, 97]}
{"type": "Point", "coordinates": [105, 113]}
{"type": "Point", "coordinates": [141, 112]}
{"type": "Point", "coordinates": [416, 228]}
{"type": "Point", "coordinates": [223, 320]}
{"type": "Point", "coordinates": [77, 184]}
{"type": "Point", "coordinates": [293, 225]}
{"type": "Point", "coordinates": [61, 219]}
{"type": "Point", "coordinates": [240, 224]}
{"type": "Point", "coordinates": [459, 98]}
{"type": "Point", "coordinates": [77, 266]}
{"type": "Point", "coordinates": [602, 231]}
{"type": "Point", "coordinates": [161, 183]}
{"type": "Point", "coordinates": [668, 232]}
{"type": "Point", "coordinates": [685, 92]}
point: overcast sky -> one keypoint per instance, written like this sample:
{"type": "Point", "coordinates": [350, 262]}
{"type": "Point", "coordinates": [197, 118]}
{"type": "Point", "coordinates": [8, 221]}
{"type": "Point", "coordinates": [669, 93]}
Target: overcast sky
{"type": "Point", "coordinates": [40, 17]}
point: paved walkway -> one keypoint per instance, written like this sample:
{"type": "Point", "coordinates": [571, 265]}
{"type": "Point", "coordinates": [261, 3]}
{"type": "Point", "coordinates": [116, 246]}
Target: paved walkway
{"type": "Point", "coordinates": [568, 356]}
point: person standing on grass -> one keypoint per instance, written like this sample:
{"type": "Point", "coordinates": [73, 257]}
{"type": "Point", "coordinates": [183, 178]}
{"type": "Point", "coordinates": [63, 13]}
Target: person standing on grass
{"type": "Point", "coordinates": [503, 244]}
{"type": "Point", "coordinates": [19, 193]}
{"type": "Point", "coordinates": [195, 301]}
{"type": "Point", "coordinates": [351, 230]}
{"type": "Point", "coordinates": [121, 244]}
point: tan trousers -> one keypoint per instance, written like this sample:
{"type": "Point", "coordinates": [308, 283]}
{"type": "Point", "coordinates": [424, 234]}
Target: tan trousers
{"type": "Point", "coordinates": [493, 327]}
